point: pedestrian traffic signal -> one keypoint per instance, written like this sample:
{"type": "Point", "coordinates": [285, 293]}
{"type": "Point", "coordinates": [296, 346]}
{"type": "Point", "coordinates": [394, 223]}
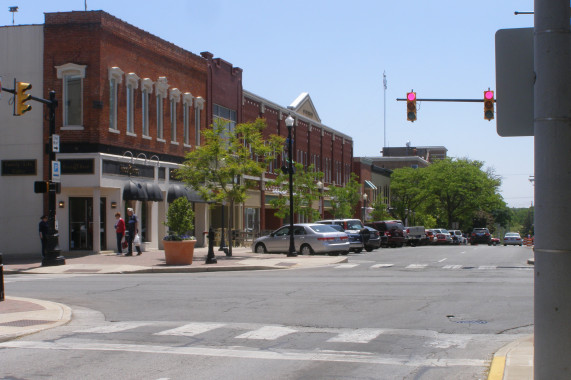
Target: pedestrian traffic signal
{"type": "Point", "coordinates": [489, 105]}
{"type": "Point", "coordinates": [22, 98]}
{"type": "Point", "coordinates": [411, 106]}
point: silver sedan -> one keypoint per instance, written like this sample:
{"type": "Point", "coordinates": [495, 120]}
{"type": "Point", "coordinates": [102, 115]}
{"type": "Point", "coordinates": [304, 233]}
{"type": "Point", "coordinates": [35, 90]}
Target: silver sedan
{"type": "Point", "coordinates": [309, 239]}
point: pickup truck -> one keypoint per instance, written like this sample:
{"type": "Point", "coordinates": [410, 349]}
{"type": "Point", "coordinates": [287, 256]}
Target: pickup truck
{"type": "Point", "coordinates": [416, 235]}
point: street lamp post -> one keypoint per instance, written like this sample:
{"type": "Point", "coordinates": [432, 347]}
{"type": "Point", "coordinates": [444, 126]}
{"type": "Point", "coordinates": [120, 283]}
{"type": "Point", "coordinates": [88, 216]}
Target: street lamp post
{"type": "Point", "coordinates": [289, 125]}
{"type": "Point", "coordinates": [223, 247]}
{"type": "Point", "coordinates": [365, 207]}
{"type": "Point", "coordinates": [319, 185]}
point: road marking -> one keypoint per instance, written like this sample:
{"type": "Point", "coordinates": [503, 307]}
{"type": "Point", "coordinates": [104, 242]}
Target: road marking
{"type": "Point", "coordinates": [382, 265]}
{"type": "Point", "coordinates": [487, 267]}
{"type": "Point", "coordinates": [267, 333]}
{"type": "Point", "coordinates": [114, 327]}
{"type": "Point", "coordinates": [314, 355]}
{"type": "Point", "coordinates": [452, 267]}
{"type": "Point", "coordinates": [417, 266]}
{"type": "Point", "coordinates": [192, 329]}
{"type": "Point", "coordinates": [357, 336]}
{"type": "Point", "coordinates": [443, 260]}
{"type": "Point", "coordinates": [346, 266]}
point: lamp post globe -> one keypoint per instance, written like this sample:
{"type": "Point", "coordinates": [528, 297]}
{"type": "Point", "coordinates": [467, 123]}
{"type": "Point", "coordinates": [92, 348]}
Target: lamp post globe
{"type": "Point", "coordinates": [289, 124]}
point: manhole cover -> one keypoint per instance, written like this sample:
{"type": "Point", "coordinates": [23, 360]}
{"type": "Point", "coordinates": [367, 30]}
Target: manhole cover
{"type": "Point", "coordinates": [25, 323]}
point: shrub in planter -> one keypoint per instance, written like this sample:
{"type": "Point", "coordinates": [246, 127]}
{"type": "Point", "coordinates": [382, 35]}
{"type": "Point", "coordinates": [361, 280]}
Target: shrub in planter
{"type": "Point", "coordinates": [178, 244]}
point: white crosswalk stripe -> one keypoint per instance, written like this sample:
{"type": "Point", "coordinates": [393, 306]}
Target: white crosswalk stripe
{"type": "Point", "coordinates": [346, 266]}
{"type": "Point", "coordinates": [382, 265]}
{"type": "Point", "coordinates": [357, 336]}
{"type": "Point", "coordinates": [267, 333]}
{"type": "Point", "coordinates": [487, 267]}
{"type": "Point", "coordinates": [452, 267]}
{"type": "Point", "coordinates": [417, 266]}
{"type": "Point", "coordinates": [114, 327]}
{"type": "Point", "coordinates": [192, 329]}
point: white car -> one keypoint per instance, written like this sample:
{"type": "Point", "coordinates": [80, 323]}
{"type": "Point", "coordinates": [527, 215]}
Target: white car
{"type": "Point", "coordinates": [309, 239]}
{"type": "Point", "coordinates": [513, 238]}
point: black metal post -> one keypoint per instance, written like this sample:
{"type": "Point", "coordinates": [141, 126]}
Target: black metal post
{"type": "Point", "coordinates": [53, 251]}
{"type": "Point", "coordinates": [1, 279]}
{"type": "Point", "coordinates": [210, 258]}
{"type": "Point", "coordinates": [291, 252]}
{"type": "Point", "coordinates": [223, 247]}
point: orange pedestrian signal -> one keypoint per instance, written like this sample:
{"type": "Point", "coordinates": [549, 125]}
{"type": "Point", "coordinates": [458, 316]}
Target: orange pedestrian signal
{"type": "Point", "coordinates": [489, 105]}
{"type": "Point", "coordinates": [411, 106]}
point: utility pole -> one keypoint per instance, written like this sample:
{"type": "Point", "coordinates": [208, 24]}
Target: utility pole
{"type": "Point", "coordinates": [552, 115]}
{"type": "Point", "coordinates": [384, 110]}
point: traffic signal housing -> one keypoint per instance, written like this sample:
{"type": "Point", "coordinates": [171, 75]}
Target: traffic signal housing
{"type": "Point", "coordinates": [411, 106]}
{"type": "Point", "coordinates": [489, 105]}
{"type": "Point", "coordinates": [22, 97]}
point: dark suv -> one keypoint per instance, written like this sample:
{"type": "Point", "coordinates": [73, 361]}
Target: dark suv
{"type": "Point", "coordinates": [480, 235]}
{"type": "Point", "coordinates": [393, 230]}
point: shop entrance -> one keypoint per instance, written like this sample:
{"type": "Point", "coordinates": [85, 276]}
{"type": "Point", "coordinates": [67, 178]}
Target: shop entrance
{"type": "Point", "coordinates": [81, 224]}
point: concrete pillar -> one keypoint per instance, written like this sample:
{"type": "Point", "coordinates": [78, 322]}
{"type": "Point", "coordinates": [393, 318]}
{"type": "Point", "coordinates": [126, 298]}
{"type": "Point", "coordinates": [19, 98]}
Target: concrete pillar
{"type": "Point", "coordinates": [552, 129]}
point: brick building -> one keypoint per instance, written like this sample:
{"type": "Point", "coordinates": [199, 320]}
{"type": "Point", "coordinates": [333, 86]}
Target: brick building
{"type": "Point", "coordinates": [130, 106]}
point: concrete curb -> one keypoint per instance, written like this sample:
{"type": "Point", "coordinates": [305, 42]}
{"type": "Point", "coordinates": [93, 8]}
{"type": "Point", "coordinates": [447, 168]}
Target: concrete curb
{"type": "Point", "coordinates": [51, 314]}
{"type": "Point", "coordinates": [514, 361]}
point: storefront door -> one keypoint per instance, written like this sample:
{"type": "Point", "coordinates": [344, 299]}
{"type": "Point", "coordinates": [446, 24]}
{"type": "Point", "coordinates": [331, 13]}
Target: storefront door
{"type": "Point", "coordinates": [81, 224]}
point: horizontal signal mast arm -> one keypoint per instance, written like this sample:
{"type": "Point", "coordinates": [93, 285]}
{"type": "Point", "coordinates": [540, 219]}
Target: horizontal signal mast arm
{"type": "Point", "coordinates": [445, 100]}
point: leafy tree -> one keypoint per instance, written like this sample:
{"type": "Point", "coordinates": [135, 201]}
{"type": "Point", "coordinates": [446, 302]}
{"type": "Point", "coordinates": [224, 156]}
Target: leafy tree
{"type": "Point", "coordinates": [305, 192]}
{"type": "Point", "coordinates": [216, 169]}
{"type": "Point", "coordinates": [408, 192]}
{"type": "Point", "coordinates": [180, 219]}
{"type": "Point", "coordinates": [528, 226]}
{"type": "Point", "coordinates": [344, 200]}
{"type": "Point", "coordinates": [379, 210]}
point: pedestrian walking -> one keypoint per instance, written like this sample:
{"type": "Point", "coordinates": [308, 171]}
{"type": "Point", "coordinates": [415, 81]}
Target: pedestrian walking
{"type": "Point", "coordinates": [120, 230]}
{"type": "Point", "coordinates": [43, 229]}
{"type": "Point", "coordinates": [132, 232]}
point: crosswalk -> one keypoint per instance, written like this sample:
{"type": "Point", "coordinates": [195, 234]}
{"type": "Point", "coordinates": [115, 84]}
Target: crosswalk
{"type": "Point", "coordinates": [437, 265]}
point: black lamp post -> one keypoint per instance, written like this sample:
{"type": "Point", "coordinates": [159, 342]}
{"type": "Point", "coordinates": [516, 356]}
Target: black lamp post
{"type": "Point", "coordinates": [289, 125]}
{"type": "Point", "coordinates": [319, 185]}
{"type": "Point", "coordinates": [365, 207]}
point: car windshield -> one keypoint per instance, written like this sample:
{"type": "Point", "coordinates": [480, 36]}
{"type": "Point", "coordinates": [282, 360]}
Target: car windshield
{"type": "Point", "coordinates": [322, 228]}
{"type": "Point", "coordinates": [354, 225]}
{"type": "Point", "coordinates": [336, 227]}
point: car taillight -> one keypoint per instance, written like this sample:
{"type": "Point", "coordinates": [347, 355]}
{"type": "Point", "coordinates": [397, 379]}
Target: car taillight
{"type": "Point", "coordinates": [487, 234]}
{"type": "Point", "coordinates": [344, 237]}
{"type": "Point", "coordinates": [327, 238]}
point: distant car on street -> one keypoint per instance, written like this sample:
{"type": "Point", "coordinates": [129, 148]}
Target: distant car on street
{"type": "Point", "coordinates": [352, 228]}
{"type": "Point", "coordinates": [443, 236]}
{"type": "Point", "coordinates": [513, 238]}
{"type": "Point", "coordinates": [393, 230]}
{"type": "Point", "coordinates": [480, 235]}
{"type": "Point", "coordinates": [309, 239]}
{"type": "Point", "coordinates": [457, 237]}
{"type": "Point", "coordinates": [494, 241]}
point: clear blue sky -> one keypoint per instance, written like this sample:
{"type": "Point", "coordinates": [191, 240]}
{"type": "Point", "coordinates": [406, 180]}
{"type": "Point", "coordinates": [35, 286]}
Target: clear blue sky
{"type": "Point", "coordinates": [337, 52]}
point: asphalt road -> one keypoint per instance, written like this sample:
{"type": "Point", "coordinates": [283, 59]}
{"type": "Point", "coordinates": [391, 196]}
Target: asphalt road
{"type": "Point", "coordinates": [409, 313]}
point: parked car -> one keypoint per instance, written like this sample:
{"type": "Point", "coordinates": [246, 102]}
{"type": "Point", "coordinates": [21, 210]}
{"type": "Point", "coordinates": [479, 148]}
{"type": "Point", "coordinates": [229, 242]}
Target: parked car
{"type": "Point", "coordinates": [309, 239]}
{"type": "Point", "coordinates": [443, 236]}
{"type": "Point", "coordinates": [393, 230]}
{"type": "Point", "coordinates": [431, 236]}
{"type": "Point", "coordinates": [494, 241]}
{"type": "Point", "coordinates": [513, 238]}
{"type": "Point", "coordinates": [416, 235]}
{"type": "Point", "coordinates": [457, 237]}
{"type": "Point", "coordinates": [352, 228]}
{"type": "Point", "coordinates": [480, 235]}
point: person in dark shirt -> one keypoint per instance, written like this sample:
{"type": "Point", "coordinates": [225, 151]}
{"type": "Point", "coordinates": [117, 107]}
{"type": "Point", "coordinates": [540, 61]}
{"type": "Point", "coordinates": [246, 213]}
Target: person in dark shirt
{"type": "Point", "coordinates": [132, 229]}
{"type": "Point", "coordinates": [43, 229]}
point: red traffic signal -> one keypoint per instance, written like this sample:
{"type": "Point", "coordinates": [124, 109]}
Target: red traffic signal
{"type": "Point", "coordinates": [411, 106]}
{"type": "Point", "coordinates": [489, 105]}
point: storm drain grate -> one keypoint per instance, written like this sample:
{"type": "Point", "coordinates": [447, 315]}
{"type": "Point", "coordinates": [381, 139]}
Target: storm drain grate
{"type": "Point", "coordinates": [25, 323]}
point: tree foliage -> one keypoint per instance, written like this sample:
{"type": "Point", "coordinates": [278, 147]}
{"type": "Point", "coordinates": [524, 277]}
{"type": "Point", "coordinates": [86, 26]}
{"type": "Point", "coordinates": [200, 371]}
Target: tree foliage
{"type": "Point", "coordinates": [344, 199]}
{"type": "Point", "coordinates": [448, 191]}
{"type": "Point", "coordinates": [305, 193]}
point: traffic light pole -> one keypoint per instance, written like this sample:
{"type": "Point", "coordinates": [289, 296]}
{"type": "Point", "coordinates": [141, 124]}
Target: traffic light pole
{"type": "Point", "coordinates": [52, 257]}
{"type": "Point", "coordinates": [445, 100]}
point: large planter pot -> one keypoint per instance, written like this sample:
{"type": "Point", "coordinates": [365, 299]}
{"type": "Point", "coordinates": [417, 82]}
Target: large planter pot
{"type": "Point", "coordinates": [179, 252]}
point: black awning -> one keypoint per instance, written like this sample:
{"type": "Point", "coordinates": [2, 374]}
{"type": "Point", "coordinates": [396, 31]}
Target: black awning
{"type": "Point", "coordinates": [177, 191]}
{"type": "Point", "coordinates": [134, 192]}
{"type": "Point", "coordinates": [154, 192]}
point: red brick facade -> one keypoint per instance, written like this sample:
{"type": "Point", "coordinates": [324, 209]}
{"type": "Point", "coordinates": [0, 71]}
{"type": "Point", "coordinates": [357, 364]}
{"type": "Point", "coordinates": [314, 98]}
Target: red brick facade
{"type": "Point", "coordinates": [114, 43]}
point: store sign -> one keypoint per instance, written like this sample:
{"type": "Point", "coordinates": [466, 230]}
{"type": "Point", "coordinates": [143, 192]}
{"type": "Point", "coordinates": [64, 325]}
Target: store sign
{"type": "Point", "coordinates": [19, 167]}
{"type": "Point", "coordinates": [128, 169]}
{"type": "Point", "coordinates": [81, 166]}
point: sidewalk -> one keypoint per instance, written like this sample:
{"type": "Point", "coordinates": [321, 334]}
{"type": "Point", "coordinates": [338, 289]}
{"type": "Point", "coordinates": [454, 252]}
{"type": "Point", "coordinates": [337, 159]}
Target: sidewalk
{"type": "Point", "coordinates": [154, 262]}
{"type": "Point", "coordinates": [24, 316]}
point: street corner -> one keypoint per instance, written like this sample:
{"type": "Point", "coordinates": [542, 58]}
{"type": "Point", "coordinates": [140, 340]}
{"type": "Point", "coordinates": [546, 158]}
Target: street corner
{"type": "Point", "coordinates": [24, 316]}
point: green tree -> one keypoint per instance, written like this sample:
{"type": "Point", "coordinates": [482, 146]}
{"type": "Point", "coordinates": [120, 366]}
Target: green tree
{"type": "Point", "coordinates": [344, 200]}
{"type": "Point", "coordinates": [180, 219]}
{"type": "Point", "coordinates": [305, 193]}
{"type": "Point", "coordinates": [379, 210]}
{"type": "Point", "coordinates": [216, 169]}
{"type": "Point", "coordinates": [409, 194]}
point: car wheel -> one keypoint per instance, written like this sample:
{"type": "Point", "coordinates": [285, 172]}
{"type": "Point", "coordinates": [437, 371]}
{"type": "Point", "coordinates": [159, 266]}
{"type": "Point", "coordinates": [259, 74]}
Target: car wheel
{"type": "Point", "coordinates": [261, 248]}
{"type": "Point", "coordinates": [306, 250]}
{"type": "Point", "coordinates": [345, 253]}
{"type": "Point", "coordinates": [358, 250]}
{"type": "Point", "coordinates": [369, 249]}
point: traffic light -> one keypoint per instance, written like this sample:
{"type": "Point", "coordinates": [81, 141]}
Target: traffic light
{"type": "Point", "coordinates": [41, 187]}
{"type": "Point", "coordinates": [411, 106]}
{"type": "Point", "coordinates": [22, 98]}
{"type": "Point", "coordinates": [488, 105]}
